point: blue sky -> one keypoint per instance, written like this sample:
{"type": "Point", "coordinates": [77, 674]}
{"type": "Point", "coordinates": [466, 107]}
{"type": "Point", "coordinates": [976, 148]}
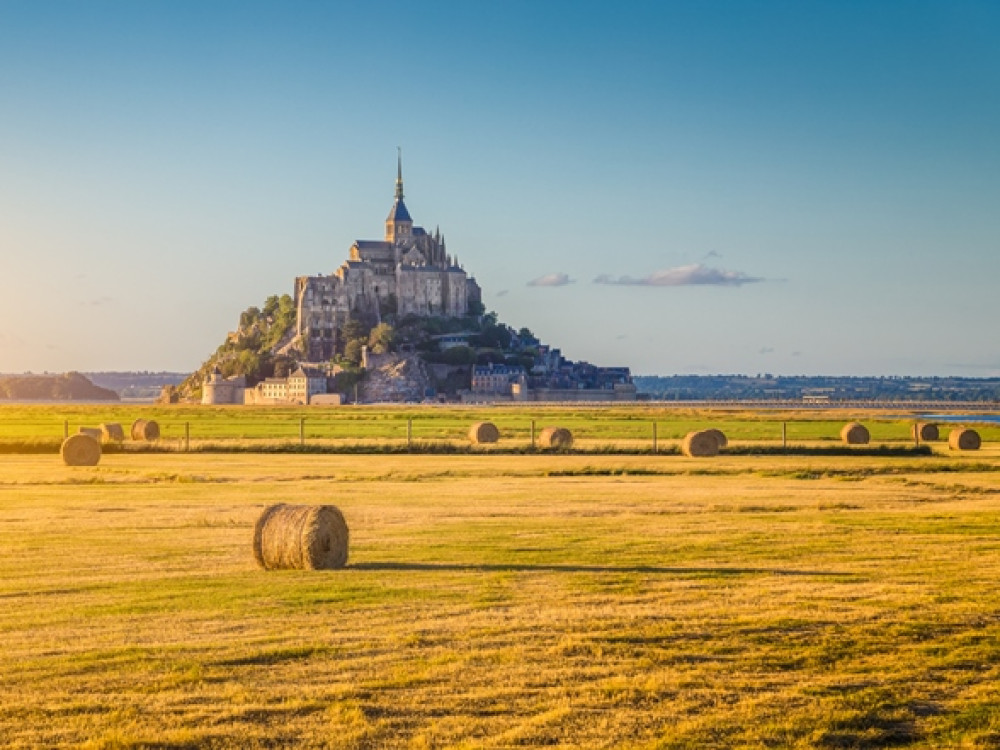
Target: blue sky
{"type": "Point", "coordinates": [680, 187]}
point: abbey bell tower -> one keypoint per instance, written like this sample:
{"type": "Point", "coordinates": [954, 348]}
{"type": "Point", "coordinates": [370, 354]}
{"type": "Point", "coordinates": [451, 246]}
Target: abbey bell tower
{"type": "Point", "coordinates": [398, 225]}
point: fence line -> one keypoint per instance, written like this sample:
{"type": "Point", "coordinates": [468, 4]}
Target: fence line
{"type": "Point", "coordinates": [641, 435]}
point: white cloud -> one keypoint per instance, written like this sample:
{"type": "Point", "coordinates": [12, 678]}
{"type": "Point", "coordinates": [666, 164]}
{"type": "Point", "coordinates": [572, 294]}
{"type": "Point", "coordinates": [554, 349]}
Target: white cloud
{"type": "Point", "coordinates": [695, 274]}
{"type": "Point", "coordinates": [552, 279]}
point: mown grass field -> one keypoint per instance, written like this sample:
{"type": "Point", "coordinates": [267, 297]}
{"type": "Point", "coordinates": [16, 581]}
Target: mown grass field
{"type": "Point", "coordinates": [629, 426]}
{"type": "Point", "coordinates": [501, 601]}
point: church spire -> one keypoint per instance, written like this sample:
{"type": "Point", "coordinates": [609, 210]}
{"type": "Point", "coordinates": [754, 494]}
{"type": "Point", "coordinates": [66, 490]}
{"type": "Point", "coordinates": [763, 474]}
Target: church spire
{"type": "Point", "coordinates": [399, 224]}
{"type": "Point", "coordinates": [399, 173]}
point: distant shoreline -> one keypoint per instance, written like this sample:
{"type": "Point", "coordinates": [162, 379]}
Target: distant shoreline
{"type": "Point", "coordinates": [74, 402]}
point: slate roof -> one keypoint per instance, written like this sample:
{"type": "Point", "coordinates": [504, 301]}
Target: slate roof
{"type": "Point", "coordinates": [399, 212]}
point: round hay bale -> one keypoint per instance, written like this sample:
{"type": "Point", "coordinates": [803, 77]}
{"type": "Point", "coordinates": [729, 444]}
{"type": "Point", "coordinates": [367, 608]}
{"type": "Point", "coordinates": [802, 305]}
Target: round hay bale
{"type": "Point", "coordinates": [80, 450]}
{"type": "Point", "coordinates": [145, 429]}
{"type": "Point", "coordinates": [964, 439]}
{"type": "Point", "coordinates": [854, 433]}
{"type": "Point", "coordinates": [719, 435]}
{"type": "Point", "coordinates": [555, 438]}
{"type": "Point", "coordinates": [94, 432]}
{"type": "Point", "coordinates": [699, 444]}
{"type": "Point", "coordinates": [112, 432]}
{"type": "Point", "coordinates": [484, 432]}
{"type": "Point", "coordinates": [925, 432]}
{"type": "Point", "coordinates": [300, 537]}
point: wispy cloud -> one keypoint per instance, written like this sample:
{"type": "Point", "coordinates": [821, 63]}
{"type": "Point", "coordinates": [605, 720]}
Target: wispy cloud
{"type": "Point", "coordinates": [552, 279]}
{"type": "Point", "coordinates": [502, 293]}
{"type": "Point", "coordinates": [695, 274]}
{"type": "Point", "coordinates": [98, 302]}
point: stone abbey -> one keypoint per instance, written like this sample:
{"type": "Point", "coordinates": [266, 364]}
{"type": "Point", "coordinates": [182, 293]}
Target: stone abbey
{"type": "Point", "coordinates": [409, 272]}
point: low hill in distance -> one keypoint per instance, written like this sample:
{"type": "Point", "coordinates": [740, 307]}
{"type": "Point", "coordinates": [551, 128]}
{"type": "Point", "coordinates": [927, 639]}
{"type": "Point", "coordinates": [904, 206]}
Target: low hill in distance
{"type": "Point", "coordinates": [70, 386]}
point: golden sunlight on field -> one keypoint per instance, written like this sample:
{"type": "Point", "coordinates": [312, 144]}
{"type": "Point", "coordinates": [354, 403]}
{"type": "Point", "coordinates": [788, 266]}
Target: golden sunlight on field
{"type": "Point", "coordinates": [504, 601]}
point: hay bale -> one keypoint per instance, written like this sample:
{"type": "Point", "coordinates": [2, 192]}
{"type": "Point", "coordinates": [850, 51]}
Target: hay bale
{"type": "Point", "coordinates": [964, 439]}
{"type": "Point", "coordinates": [854, 433]}
{"type": "Point", "coordinates": [925, 432]}
{"type": "Point", "coordinates": [80, 450]}
{"type": "Point", "coordinates": [94, 432]}
{"type": "Point", "coordinates": [484, 432]}
{"type": "Point", "coordinates": [145, 429]}
{"type": "Point", "coordinates": [700, 443]}
{"type": "Point", "coordinates": [112, 432]}
{"type": "Point", "coordinates": [719, 436]}
{"type": "Point", "coordinates": [555, 438]}
{"type": "Point", "coordinates": [300, 537]}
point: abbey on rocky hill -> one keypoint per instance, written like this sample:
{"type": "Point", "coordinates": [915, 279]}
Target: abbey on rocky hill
{"type": "Point", "coordinates": [408, 273]}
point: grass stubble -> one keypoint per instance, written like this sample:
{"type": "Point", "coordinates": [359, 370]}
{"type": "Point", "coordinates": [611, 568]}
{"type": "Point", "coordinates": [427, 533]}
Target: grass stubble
{"type": "Point", "coordinates": [496, 601]}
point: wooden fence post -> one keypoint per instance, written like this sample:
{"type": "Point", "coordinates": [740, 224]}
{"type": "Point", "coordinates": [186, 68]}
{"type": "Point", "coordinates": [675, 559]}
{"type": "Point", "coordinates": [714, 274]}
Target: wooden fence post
{"type": "Point", "coordinates": [532, 434]}
{"type": "Point", "coordinates": [409, 433]}
{"type": "Point", "coordinates": [187, 437]}
{"type": "Point", "coordinates": [302, 430]}
{"type": "Point", "coordinates": [654, 437]}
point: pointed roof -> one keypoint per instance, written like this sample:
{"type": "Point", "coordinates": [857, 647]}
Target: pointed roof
{"type": "Point", "coordinates": [399, 212]}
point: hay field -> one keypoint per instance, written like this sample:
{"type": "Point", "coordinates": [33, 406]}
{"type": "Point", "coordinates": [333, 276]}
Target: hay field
{"type": "Point", "coordinates": [504, 601]}
{"type": "Point", "coordinates": [627, 426]}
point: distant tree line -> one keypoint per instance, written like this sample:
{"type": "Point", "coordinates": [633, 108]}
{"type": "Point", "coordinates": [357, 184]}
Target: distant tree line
{"type": "Point", "coordinates": [767, 386]}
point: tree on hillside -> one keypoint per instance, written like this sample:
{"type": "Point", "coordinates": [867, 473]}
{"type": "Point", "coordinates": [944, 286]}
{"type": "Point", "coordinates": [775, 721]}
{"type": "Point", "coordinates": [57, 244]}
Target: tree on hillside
{"type": "Point", "coordinates": [271, 305]}
{"type": "Point", "coordinates": [249, 316]}
{"type": "Point", "coordinates": [381, 338]}
{"type": "Point", "coordinates": [527, 337]}
{"type": "Point", "coordinates": [354, 328]}
{"type": "Point", "coordinates": [352, 351]}
{"type": "Point", "coordinates": [457, 355]}
{"type": "Point", "coordinates": [494, 336]}
{"type": "Point", "coordinates": [283, 366]}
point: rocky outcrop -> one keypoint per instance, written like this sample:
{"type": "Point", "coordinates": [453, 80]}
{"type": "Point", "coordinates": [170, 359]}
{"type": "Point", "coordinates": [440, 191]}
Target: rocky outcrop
{"type": "Point", "coordinates": [394, 378]}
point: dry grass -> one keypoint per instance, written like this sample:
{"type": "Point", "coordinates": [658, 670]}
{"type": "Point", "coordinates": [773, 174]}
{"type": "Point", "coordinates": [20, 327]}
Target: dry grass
{"type": "Point", "coordinates": [505, 601]}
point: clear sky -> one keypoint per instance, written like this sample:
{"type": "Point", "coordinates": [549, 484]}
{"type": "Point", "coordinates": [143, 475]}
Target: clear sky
{"type": "Point", "coordinates": [704, 186]}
